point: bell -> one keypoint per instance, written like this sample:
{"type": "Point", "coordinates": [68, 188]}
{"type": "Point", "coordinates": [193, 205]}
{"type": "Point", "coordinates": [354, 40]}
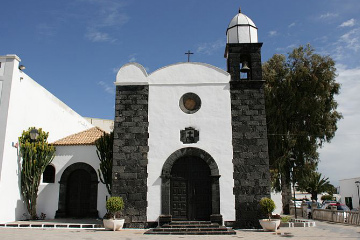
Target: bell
{"type": "Point", "coordinates": [245, 68]}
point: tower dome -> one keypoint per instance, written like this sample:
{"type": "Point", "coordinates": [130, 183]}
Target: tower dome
{"type": "Point", "coordinates": [241, 30]}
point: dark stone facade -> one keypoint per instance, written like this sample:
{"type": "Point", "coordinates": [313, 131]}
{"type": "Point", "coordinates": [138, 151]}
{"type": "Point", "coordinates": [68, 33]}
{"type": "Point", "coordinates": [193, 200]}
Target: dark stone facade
{"type": "Point", "coordinates": [249, 135]}
{"type": "Point", "coordinates": [130, 152]}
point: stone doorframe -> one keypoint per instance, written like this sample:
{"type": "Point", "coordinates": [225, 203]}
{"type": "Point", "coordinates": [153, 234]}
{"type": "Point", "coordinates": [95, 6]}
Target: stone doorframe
{"type": "Point", "coordinates": [61, 212]}
{"type": "Point", "coordinates": [165, 216]}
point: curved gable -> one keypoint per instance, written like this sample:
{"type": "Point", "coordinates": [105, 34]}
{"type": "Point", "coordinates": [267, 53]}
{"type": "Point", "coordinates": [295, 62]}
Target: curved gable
{"type": "Point", "coordinates": [130, 74]}
{"type": "Point", "coordinates": [189, 73]}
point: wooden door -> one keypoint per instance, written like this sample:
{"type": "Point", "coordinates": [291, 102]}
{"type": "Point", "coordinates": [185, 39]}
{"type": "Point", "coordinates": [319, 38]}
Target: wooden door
{"type": "Point", "coordinates": [78, 194]}
{"type": "Point", "coordinates": [190, 191]}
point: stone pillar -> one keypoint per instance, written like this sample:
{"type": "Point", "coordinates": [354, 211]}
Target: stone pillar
{"type": "Point", "coordinates": [250, 151]}
{"type": "Point", "coordinates": [130, 152]}
{"type": "Point", "coordinates": [215, 217]}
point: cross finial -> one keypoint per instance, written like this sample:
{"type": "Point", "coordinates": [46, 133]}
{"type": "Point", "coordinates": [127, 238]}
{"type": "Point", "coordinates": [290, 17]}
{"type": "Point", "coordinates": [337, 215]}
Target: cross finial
{"type": "Point", "coordinates": [239, 9]}
{"type": "Point", "coordinates": [189, 53]}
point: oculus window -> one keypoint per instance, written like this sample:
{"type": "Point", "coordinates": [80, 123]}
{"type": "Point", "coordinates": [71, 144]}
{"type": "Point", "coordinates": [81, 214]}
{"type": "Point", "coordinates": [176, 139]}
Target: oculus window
{"type": "Point", "coordinates": [190, 103]}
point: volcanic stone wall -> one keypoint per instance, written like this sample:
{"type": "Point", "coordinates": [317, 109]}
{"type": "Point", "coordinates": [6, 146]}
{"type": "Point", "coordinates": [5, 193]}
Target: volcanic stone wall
{"type": "Point", "coordinates": [130, 152]}
{"type": "Point", "coordinates": [250, 151]}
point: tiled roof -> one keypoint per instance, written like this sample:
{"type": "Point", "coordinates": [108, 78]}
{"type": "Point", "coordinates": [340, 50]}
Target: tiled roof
{"type": "Point", "coordinates": [87, 137]}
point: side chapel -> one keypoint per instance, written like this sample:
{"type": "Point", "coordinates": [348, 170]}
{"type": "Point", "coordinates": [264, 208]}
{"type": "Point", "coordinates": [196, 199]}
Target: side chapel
{"type": "Point", "coordinates": [190, 139]}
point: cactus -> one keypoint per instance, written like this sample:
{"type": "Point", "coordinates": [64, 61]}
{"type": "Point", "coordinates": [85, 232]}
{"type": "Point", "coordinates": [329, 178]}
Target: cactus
{"type": "Point", "coordinates": [36, 155]}
{"type": "Point", "coordinates": [104, 146]}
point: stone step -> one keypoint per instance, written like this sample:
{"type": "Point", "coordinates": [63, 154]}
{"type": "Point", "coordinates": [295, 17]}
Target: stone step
{"type": "Point", "coordinates": [229, 232]}
{"type": "Point", "coordinates": [191, 228]}
{"type": "Point", "coordinates": [191, 222]}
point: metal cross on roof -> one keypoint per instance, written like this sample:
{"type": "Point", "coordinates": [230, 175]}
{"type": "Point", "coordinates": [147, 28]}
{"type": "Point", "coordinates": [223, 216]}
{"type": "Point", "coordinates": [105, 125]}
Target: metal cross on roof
{"type": "Point", "coordinates": [188, 53]}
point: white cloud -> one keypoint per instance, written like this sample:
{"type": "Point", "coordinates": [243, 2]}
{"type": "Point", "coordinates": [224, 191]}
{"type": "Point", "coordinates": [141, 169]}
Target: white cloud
{"type": "Point", "coordinates": [328, 15]}
{"type": "Point", "coordinates": [116, 69]}
{"type": "Point", "coordinates": [107, 88]}
{"type": "Point", "coordinates": [272, 33]}
{"type": "Point", "coordinates": [97, 36]}
{"type": "Point", "coordinates": [344, 146]}
{"type": "Point", "coordinates": [45, 29]}
{"type": "Point", "coordinates": [351, 39]}
{"type": "Point", "coordinates": [132, 57]}
{"type": "Point", "coordinates": [349, 23]}
{"type": "Point", "coordinates": [292, 25]}
{"type": "Point", "coordinates": [210, 48]}
{"type": "Point", "coordinates": [287, 48]}
{"type": "Point", "coordinates": [105, 18]}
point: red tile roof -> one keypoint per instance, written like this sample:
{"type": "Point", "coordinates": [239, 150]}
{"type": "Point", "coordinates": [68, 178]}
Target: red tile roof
{"type": "Point", "coordinates": [87, 137]}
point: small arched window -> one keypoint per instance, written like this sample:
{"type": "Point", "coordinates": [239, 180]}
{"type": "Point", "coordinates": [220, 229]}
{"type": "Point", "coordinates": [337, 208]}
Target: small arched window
{"type": "Point", "coordinates": [49, 174]}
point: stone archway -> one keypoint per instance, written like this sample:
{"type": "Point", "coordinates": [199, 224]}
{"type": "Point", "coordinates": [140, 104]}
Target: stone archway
{"type": "Point", "coordinates": [78, 192]}
{"type": "Point", "coordinates": [167, 180]}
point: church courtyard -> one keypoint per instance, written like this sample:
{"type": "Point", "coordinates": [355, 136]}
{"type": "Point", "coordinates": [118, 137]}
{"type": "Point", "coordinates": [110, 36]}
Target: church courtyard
{"type": "Point", "coordinates": [323, 230]}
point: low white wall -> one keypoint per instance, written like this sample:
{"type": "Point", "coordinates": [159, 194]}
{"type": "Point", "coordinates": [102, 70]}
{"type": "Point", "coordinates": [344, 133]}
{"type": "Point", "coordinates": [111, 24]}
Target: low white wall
{"type": "Point", "coordinates": [65, 156]}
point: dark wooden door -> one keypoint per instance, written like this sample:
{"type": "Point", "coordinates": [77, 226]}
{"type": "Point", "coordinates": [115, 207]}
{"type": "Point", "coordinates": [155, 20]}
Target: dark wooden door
{"type": "Point", "coordinates": [78, 194]}
{"type": "Point", "coordinates": [190, 191]}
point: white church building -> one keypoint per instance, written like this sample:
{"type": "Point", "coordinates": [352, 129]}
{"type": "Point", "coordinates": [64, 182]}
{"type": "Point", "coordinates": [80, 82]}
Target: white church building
{"type": "Point", "coordinates": [190, 141]}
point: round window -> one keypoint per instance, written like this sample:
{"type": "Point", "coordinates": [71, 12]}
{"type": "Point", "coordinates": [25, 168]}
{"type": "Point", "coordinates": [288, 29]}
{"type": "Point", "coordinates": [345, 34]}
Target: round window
{"type": "Point", "coordinates": [190, 103]}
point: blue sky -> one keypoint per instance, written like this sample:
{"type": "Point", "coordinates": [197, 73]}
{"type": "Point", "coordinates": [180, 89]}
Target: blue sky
{"type": "Point", "coordinates": [74, 48]}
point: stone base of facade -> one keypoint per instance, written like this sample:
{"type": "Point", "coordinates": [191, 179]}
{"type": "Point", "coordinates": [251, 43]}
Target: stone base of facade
{"type": "Point", "coordinates": [164, 219]}
{"type": "Point", "coordinates": [216, 218]}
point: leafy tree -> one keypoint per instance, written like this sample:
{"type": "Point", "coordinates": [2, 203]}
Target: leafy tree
{"type": "Point", "coordinates": [314, 183]}
{"type": "Point", "coordinates": [104, 151]}
{"type": "Point", "coordinates": [301, 113]}
{"type": "Point", "coordinates": [36, 155]}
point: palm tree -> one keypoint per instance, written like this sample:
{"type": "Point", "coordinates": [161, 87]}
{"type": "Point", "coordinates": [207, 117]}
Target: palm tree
{"type": "Point", "coordinates": [314, 184]}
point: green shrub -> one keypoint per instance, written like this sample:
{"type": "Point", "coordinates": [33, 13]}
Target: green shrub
{"type": "Point", "coordinates": [267, 205]}
{"type": "Point", "coordinates": [285, 219]}
{"type": "Point", "coordinates": [114, 205]}
{"type": "Point", "coordinates": [327, 197]}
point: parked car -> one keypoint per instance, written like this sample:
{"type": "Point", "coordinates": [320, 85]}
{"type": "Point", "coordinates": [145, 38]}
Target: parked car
{"type": "Point", "coordinates": [339, 206]}
{"type": "Point", "coordinates": [309, 212]}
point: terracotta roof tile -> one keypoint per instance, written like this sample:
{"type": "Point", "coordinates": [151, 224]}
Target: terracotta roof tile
{"type": "Point", "coordinates": [87, 137]}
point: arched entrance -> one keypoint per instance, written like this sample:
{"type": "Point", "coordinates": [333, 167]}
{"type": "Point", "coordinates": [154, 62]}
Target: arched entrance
{"type": "Point", "coordinates": [190, 187]}
{"type": "Point", "coordinates": [78, 192]}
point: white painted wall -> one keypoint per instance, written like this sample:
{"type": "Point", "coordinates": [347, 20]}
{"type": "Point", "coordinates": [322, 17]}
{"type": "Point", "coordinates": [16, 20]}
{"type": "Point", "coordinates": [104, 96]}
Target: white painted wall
{"type": "Point", "coordinates": [66, 156]}
{"type": "Point", "coordinates": [348, 188]}
{"type": "Point", "coordinates": [26, 104]}
{"type": "Point", "coordinates": [104, 124]}
{"type": "Point", "coordinates": [166, 119]}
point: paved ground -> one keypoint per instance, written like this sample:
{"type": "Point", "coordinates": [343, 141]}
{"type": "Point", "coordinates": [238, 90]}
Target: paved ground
{"type": "Point", "coordinates": [323, 230]}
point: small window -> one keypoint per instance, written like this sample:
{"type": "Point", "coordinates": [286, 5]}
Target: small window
{"type": "Point", "coordinates": [49, 174]}
{"type": "Point", "coordinates": [190, 103]}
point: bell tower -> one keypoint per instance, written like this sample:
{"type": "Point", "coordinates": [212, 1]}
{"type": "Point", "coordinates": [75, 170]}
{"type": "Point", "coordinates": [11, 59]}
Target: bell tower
{"type": "Point", "coordinates": [248, 118]}
{"type": "Point", "coordinates": [243, 51]}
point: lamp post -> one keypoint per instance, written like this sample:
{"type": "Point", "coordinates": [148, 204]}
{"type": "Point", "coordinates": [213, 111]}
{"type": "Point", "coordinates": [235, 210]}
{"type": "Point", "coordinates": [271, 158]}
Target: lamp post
{"type": "Point", "coordinates": [34, 133]}
{"type": "Point", "coordinates": [358, 185]}
{"type": "Point", "coordinates": [292, 165]}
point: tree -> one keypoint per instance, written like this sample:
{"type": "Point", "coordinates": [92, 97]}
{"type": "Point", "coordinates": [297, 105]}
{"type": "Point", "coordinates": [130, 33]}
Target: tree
{"type": "Point", "coordinates": [301, 113]}
{"type": "Point", "coordinates": [314, 184]}
{"type": "Point", "coordinates": [104, 146]}
{"type": "Point", "coordinates": [36, 155]}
